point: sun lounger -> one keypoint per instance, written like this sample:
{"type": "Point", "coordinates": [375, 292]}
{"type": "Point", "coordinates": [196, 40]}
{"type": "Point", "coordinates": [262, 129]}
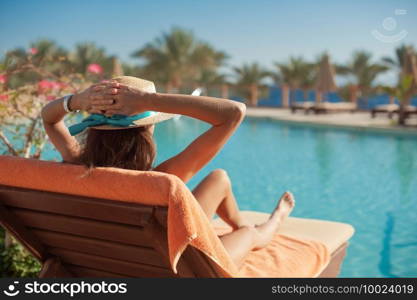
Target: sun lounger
{"type": "Point", "coordinates": [306, 106]}
{"type": "Point", "coordinates": [325, 107]}
{"type": "Point", "coordinates": [48, 210]}
{"type": "Point", "coordinates": [411, 110]}
{"type": "Point", "coordinates": [334, 235]}
{"type": "Point", "coordinates": [392, 109]}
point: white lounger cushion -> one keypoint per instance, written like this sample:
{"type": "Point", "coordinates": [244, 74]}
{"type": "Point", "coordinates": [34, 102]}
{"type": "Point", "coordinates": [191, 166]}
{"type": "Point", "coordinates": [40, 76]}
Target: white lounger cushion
{"type": "Point", "coordinates": [307, 104]}
{"type": "Point", "coordinates": [336, 106]}
{"type": "Point", "coordinates": [393, 107]}
{"type": "Point", "coordinates": [331, 234]}
{"type": "Point", "coordinates": [388, 107]}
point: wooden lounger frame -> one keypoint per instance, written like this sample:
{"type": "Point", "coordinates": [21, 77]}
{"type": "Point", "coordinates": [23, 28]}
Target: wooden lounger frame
{"type": "Point", "coordinates": [391, 112]}
{"type": "Point", "coordinates": [318, 110]}
{"type": "Point", "coordinates": [75, 236]}
{"type": "Point", "coordinates": [297, 106]}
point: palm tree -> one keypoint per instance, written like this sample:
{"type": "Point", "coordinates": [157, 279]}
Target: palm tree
{"type": "Point", "coordinates": [402, 91]}
{"type": "Point", "coordinates": [309, 78]}
{"type": "Point", "coordinates": [296, 73]}
{"type": "Point", "coordinates": [177, 57]}
{"type": "Point", "coordinates": [249, 78]}
{"type": "Point", "coordinates": [363, 71]}
{"type": "Point", "coordinates": [131, 70]}
{"type": "Point", "coordinates": [288, 72]}
{"type": "Point", "coordinates": [398, 61]}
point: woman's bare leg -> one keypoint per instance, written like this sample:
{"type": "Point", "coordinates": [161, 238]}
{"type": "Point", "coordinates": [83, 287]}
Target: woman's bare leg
{"type": "Point", "coordinates": [239, 242]}
{"type": "Point", "coordinates": [214, 193]}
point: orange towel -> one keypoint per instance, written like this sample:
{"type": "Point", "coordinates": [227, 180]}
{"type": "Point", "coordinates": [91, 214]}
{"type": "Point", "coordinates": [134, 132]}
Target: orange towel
{"type": "Point", "coordinates": [284, 257]}
{"type": "Point", "coordinates": [187, 223]}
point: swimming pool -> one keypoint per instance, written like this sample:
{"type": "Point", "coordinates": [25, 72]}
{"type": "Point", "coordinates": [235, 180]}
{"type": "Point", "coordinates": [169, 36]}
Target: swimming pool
{"type": "Point", "coordinates": [366, 179]}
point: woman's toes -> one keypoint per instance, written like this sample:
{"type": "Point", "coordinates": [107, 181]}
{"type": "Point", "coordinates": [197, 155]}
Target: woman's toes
{"type": "Point", "coordinates": [289, 197]}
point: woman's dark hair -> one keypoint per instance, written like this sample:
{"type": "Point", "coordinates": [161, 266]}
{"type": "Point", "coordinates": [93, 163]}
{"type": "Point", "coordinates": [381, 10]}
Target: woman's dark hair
{"type": "Point", "coordinates": [131, 148]}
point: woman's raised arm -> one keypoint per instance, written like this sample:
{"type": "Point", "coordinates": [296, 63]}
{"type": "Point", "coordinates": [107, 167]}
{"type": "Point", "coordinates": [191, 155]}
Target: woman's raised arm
{"type": "Point", "coordinates": [214, 111]}
{"type": "Point", "coordinates": [224, 116]}
{"type": "Point", "coordinates": [53, 115]}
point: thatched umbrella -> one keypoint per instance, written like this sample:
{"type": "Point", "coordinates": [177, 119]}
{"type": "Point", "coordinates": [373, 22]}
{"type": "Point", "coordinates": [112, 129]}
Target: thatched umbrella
{"type": "Point", "coordinates": [325, 81]}
{"type": "Point", "coordinates": [409, 69]}
{"type": "Point", "coordinates": [117, 68]}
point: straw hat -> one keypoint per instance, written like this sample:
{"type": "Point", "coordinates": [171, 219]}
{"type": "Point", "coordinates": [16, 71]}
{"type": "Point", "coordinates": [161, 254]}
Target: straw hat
{"type": "Point", "coordinates": [146, 86]}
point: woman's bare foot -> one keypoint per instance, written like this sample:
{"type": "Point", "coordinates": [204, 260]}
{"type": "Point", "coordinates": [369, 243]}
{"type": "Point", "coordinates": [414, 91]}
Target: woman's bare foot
{"type": "Point", "coordinates": [285, 206]}
{"type": "Point", "coordinates": [267, 230]}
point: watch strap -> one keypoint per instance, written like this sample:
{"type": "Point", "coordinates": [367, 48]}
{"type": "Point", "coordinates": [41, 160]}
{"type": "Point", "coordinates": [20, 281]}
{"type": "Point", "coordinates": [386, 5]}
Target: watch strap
{"type": "Point", "coordinates": [67, 98]}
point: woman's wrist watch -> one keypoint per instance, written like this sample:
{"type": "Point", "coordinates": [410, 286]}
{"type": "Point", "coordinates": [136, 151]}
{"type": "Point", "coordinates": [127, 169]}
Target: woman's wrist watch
{"type": "Point", "coordinates": [66, 103]}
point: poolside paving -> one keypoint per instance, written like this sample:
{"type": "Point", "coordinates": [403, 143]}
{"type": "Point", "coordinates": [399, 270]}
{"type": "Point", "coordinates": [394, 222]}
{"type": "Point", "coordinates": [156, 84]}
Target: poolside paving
{"type": "Point", "coordinates": [360, 119]}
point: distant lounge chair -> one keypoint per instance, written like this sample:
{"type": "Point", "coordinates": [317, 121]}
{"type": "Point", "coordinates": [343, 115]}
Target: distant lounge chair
{"type": "Point", "coordinates": [81, 236]}
{"type": "Point", "coordinates": [306, 106]}
{"type": "Point", "coordinates": [410, 110]}
{"type": "Point", "coordinates": [391, 109]}
{"type": "Point", "coordinates": [325, 107]}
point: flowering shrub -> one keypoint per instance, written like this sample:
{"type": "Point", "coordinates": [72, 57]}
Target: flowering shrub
{"type": "Point", "coordinates": [20, 108]}
{"type": "Point", "coordinates": [22, 134]}
{"type": "Point", "coordinates": [33, 51]}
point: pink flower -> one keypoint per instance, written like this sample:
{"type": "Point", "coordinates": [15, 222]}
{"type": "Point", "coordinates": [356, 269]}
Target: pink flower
{"type": "Point", "coordinates": [50, 98]}
{"type": "Point", "coordinates": [3, 78]}
{"type": "Point", "coordinates": [4, 98]}
{"type": "Point", "coordinates": [33, 51]}
{"type": "Point", "coordinates": [94, 68]}
{"type": "Point", "coordinates": [55, 85]}
{"type": "Point", "coordinates": [46, 86]}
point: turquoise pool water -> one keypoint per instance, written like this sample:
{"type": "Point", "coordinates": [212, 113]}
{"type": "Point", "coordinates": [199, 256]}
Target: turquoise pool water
{"type": "Point", "coordinates": [366, 179]}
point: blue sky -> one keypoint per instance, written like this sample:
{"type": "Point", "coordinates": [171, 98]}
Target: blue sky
{"type": "Point", "coordinates": [263, 31]}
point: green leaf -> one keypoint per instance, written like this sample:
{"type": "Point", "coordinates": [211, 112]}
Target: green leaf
{"type": "Point", "coordinates": [15, 261]}
{"type": "Point", "coordinates": [406, 82]}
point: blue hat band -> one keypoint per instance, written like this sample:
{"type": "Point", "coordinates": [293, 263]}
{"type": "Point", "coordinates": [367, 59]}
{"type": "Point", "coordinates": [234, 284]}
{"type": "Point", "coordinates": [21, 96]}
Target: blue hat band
{"type": "Point", "coordinates": [115, 120]}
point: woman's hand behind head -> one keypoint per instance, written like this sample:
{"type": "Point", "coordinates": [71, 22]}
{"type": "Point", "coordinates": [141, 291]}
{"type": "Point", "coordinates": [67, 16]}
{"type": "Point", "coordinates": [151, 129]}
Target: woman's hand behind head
{"type": "Point", "coordinates": [83, 99]}
{"type": "Point", "coordinates": [116, 98]}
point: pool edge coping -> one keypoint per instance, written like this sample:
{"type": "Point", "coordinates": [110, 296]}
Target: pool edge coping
{"type": "Point", "coordinates": [318, 123]}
